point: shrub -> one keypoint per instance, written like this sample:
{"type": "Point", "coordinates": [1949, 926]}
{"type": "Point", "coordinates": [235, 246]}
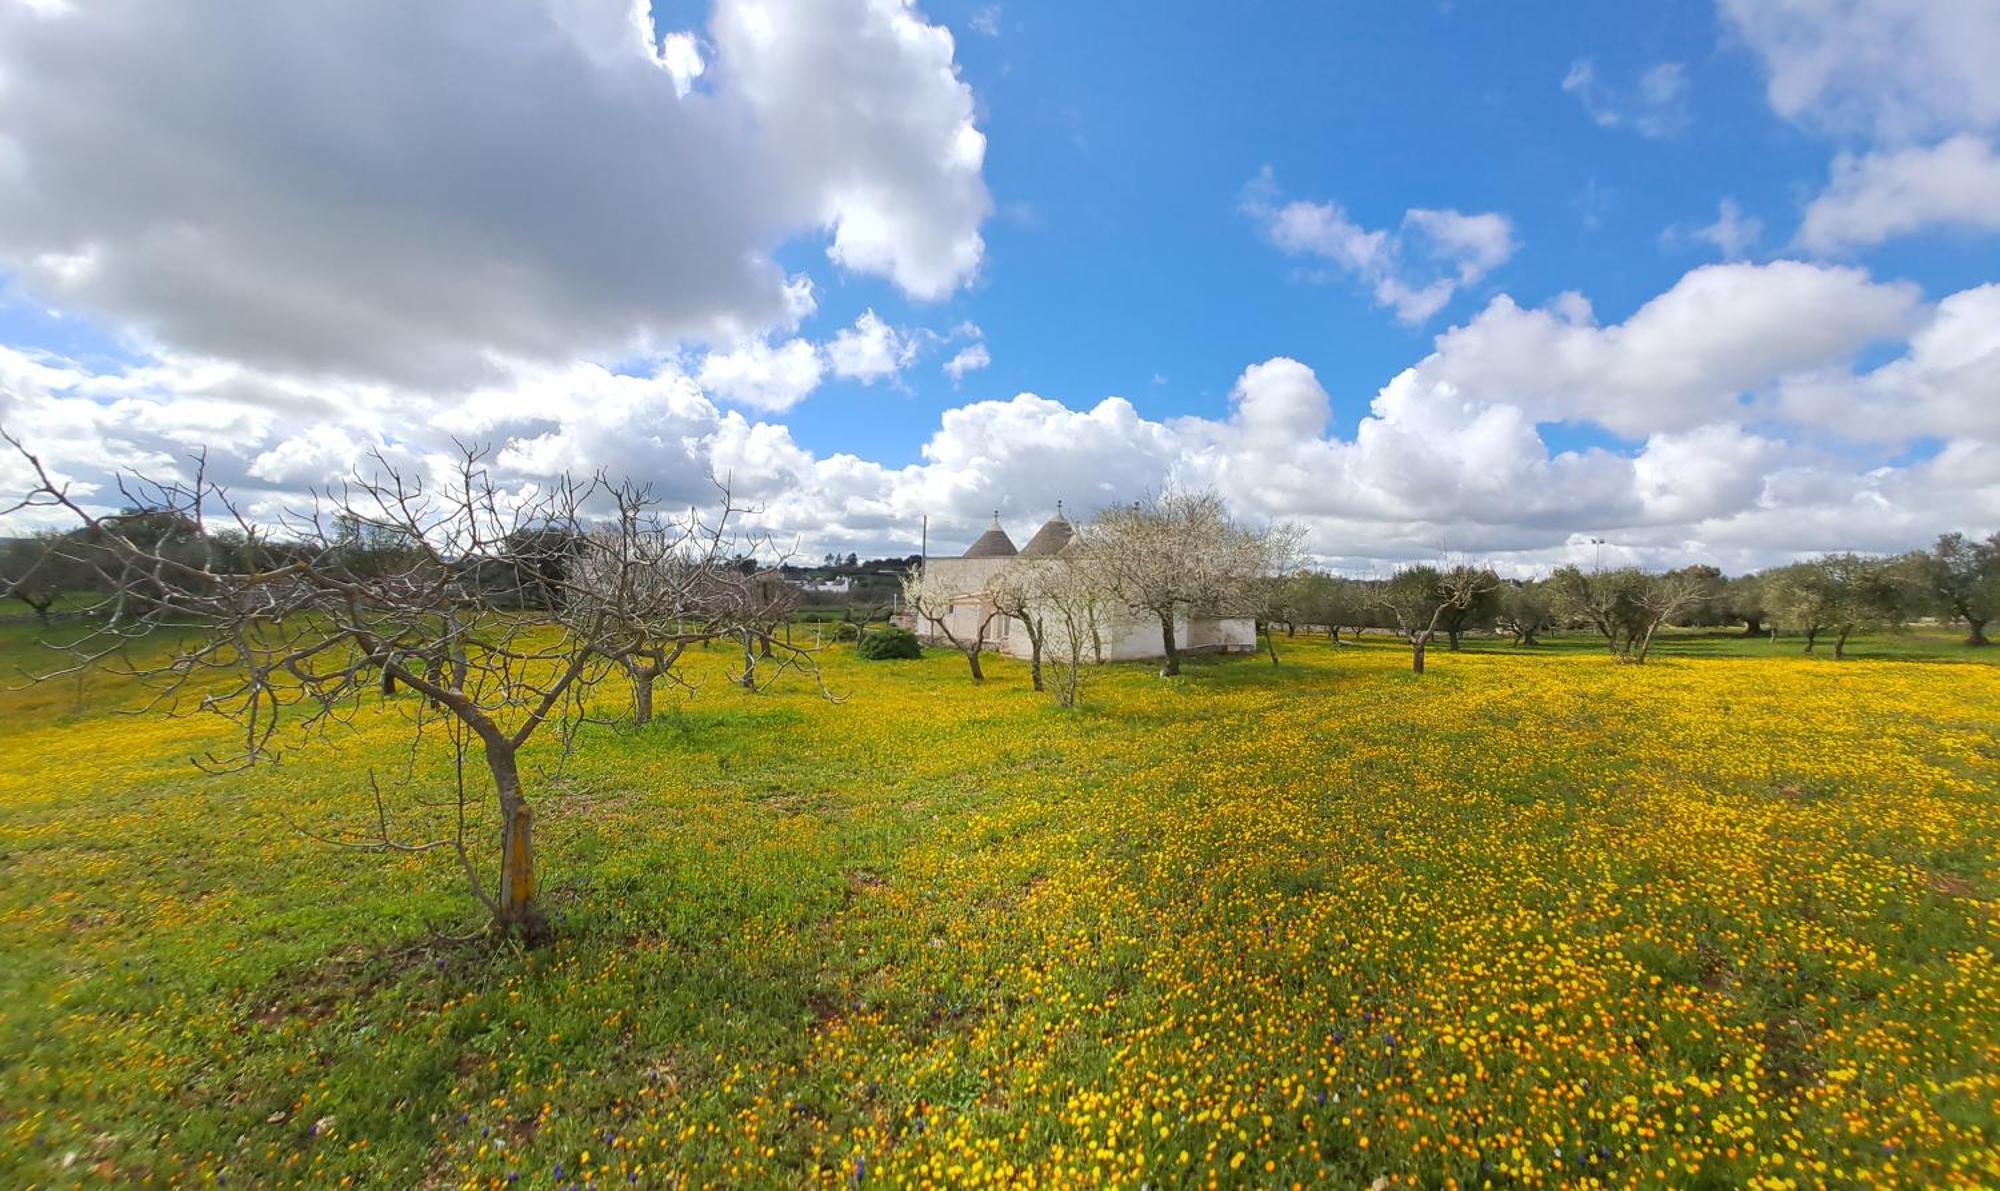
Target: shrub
{"type": "Point", "coordinates": [889, 644]}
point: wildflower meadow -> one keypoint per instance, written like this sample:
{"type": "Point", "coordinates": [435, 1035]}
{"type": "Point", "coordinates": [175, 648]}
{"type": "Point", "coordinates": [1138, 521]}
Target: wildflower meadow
{"type": "Point", "coordinates": [1531, 919]}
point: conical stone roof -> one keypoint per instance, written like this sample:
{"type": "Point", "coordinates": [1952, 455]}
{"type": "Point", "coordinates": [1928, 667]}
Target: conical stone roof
{"type": "Point", "coordinates": [994, 543]}
{"type": "Point", "coordinates": [1049, 540]}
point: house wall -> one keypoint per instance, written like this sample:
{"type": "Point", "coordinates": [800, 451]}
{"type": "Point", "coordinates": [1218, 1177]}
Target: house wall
{"type": "Point", "coordinates": [1127, 637]}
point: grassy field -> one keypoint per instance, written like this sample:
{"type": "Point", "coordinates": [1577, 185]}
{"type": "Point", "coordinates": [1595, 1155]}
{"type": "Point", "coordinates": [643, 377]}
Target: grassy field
{"type": "Point", "coordinates": [1531, 919]}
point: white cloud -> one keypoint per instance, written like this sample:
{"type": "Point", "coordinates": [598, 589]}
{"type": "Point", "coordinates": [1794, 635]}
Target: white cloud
{"type": "Point", "coordinates": [1944, 386]}
{"type": "Point", "coordinates": [1448, 456]}
{"type": "Point", "coordinates": [985, 21]}
{"type": "Point", "coordinates": [1733, 233]}
{"type": "Point", "coordinates": [872, 350]}
{"type": "Point", "coordinates": [422, 193]}
{"type": "Point", "coordinates": [1655, 106]}
{"type": "Point", "coordinates": [1414, 271]}
{"type": "Point", "coordinates": [1687, 357]}
{"type": "Point", "coordinates": [1881, 195]}
{"type": "Point", "coordinates": [862, 101]}
{"type": "Point", "coordinates": [762, 376]}
{"type": "Point", "coordinates": [1897, 69]}
{"type": "Point", "coordinates": [970, 358]}
{"type": "Point", "coordinates": [680, 53]}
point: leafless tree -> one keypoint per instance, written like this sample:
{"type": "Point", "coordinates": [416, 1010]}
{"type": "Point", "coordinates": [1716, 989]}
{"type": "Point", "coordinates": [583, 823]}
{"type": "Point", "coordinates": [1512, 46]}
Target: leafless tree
{"type": "Point", "coordinates": [1072, 604]}
{"type": "Point", "coordinates": [1016, 593]}
{"type": "Point", "coordinates": [1181, 555]}
{"type": "Point", "coordinates": [663, 583]}
{"type": "Point", "coordinates": [1418, 599]}
{"type": "Point", "coordinates": [503, 612]}
{"type": "Point", "coordinates": [933, 600]}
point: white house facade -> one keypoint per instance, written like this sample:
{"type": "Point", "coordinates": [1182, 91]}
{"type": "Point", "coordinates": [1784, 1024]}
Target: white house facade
{"type": "Point", "coordinates": [1125, 636]}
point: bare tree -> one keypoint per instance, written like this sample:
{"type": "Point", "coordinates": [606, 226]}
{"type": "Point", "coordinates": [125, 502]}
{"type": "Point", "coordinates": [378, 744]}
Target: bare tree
{"type": "Point", "coordinates": [1181, 555]}
{"type": "Point", "coordinates": [1073, 603]}
{"type": "Point", "coordinates": [1418, 599]}
{"type": "Point", "coordinates": [286, 631]}
{"type": "Point", "coordinates": [1016, 593]}
{"type": "Point", "coordinates": [937, 602]}
{"type": "Point", "coordinates": [663, 583]}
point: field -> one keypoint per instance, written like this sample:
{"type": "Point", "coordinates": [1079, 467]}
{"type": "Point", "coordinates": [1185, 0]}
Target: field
{"type": "Point", "coordinates": [1531, 919]}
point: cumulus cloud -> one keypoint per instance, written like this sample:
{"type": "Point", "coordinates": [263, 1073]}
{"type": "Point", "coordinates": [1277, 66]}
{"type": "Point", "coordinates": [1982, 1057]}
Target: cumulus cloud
{"type": "Point", "coordinates": [1748, 420]}
{"type": "Point", "coordinates": [1877, 196]}
{"type": "Point", "coordinates": [872, 350]}
{"type": "Point", "coordinates": [1944, 385]}
{"type": "Point", "coordinates": [762, 376]}
{"type": "Point", "coordinates": [392, 191]}
{"type": "Point", "coordinates": [1733, 233]}
{"type": "Point", "coordinates": [970, 358]}
{"type": "Point", "coordinates": [1693, 354]}
{"type": "Point", "coordinates": [1654, 106]}
{"type": "Point", "coordinates": [1414, 270]}
{"type": "Point", "coordinates": [1900, 70]}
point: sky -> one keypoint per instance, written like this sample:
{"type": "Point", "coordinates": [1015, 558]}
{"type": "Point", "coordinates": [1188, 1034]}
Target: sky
{"type": "Point", "coordinates": [1708, 281]}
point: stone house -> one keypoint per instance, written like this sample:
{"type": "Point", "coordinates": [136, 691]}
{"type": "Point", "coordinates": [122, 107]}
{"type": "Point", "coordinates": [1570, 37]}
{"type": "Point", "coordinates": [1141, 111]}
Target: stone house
{"type": "Point", "coordinates": [1125, 636]}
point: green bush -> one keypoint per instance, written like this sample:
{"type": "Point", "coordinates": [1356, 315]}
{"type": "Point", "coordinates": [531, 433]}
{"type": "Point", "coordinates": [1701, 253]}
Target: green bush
{"type": "Point", "coordinates": [890, 643]}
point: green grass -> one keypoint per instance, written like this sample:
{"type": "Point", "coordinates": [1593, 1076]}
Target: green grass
{"type": "Point", "coordinates": [935, 925]}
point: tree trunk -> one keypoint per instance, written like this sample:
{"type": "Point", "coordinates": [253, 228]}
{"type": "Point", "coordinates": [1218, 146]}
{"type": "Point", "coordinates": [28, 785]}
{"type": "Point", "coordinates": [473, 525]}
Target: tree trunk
{"type": "Point", "coordinates": [749, 679]}
{"type": "Point", "coordinates": [1812, 635]}
{"type": "Point", "coordinates": [1271, 643]}
{"type": "Point", "coordinates": [1417, 655]}
{"type": "Point", "coordinates": [1451, 635]}
{"type": "Point", "coordinates": [1173, 666]}
{"type": "Point", "coordinates": [1291, 630]}
{"type": "Point", "coordinates": [1035, 660]}
{"type": "Point", "coordinates": [763, 645]}
{"type": "Point", "coordinates": [972, 659]}
{"type": "Point", "coordinates": [1978, 636]}
{"type": "Point", "coordinates": [1753, 626]}
{"type": "Point", "coordinates": [1840, 644]}
{"type": "Point", "coordinates": [1333, 634]}
{"type": "Point", "coordinates": [642, 696]}
{"type": "Point", "coordinates": [389, 677]}
{"type": "Point", "coordinates": [517, 912]}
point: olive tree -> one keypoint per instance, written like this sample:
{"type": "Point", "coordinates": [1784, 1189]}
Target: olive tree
{"type": "Point", "coordinates": [1963, 575]}
{"type": "Point", "coordinates": [273, 626]}
{"type": "Point", "coordinates": [1480, 609]}
{"type": "Point", "coordinates": [1418, 598]}
{"type": "Point", "coordinates": [1840, 594]}
{"type": "Point", "coordinates": [1746, 598]}
{"type": "Point", "coordinates": [1626, 606]}
{"type": "Point", "coordinates": [1526, 610]}
{"type": "Point", "coordinates": [40, 571]}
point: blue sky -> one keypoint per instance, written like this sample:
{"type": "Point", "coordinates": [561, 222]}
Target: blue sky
{"type": "Point", "coordinates": [1715, 279]}
{"type": "Point", "coordinates": [1122, 142]}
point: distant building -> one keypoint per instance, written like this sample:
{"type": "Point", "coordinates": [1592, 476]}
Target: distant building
{"type": "Point", "coordinates": [1126, 637]}
{"type": "Point", "coordinates": [841, 585]}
